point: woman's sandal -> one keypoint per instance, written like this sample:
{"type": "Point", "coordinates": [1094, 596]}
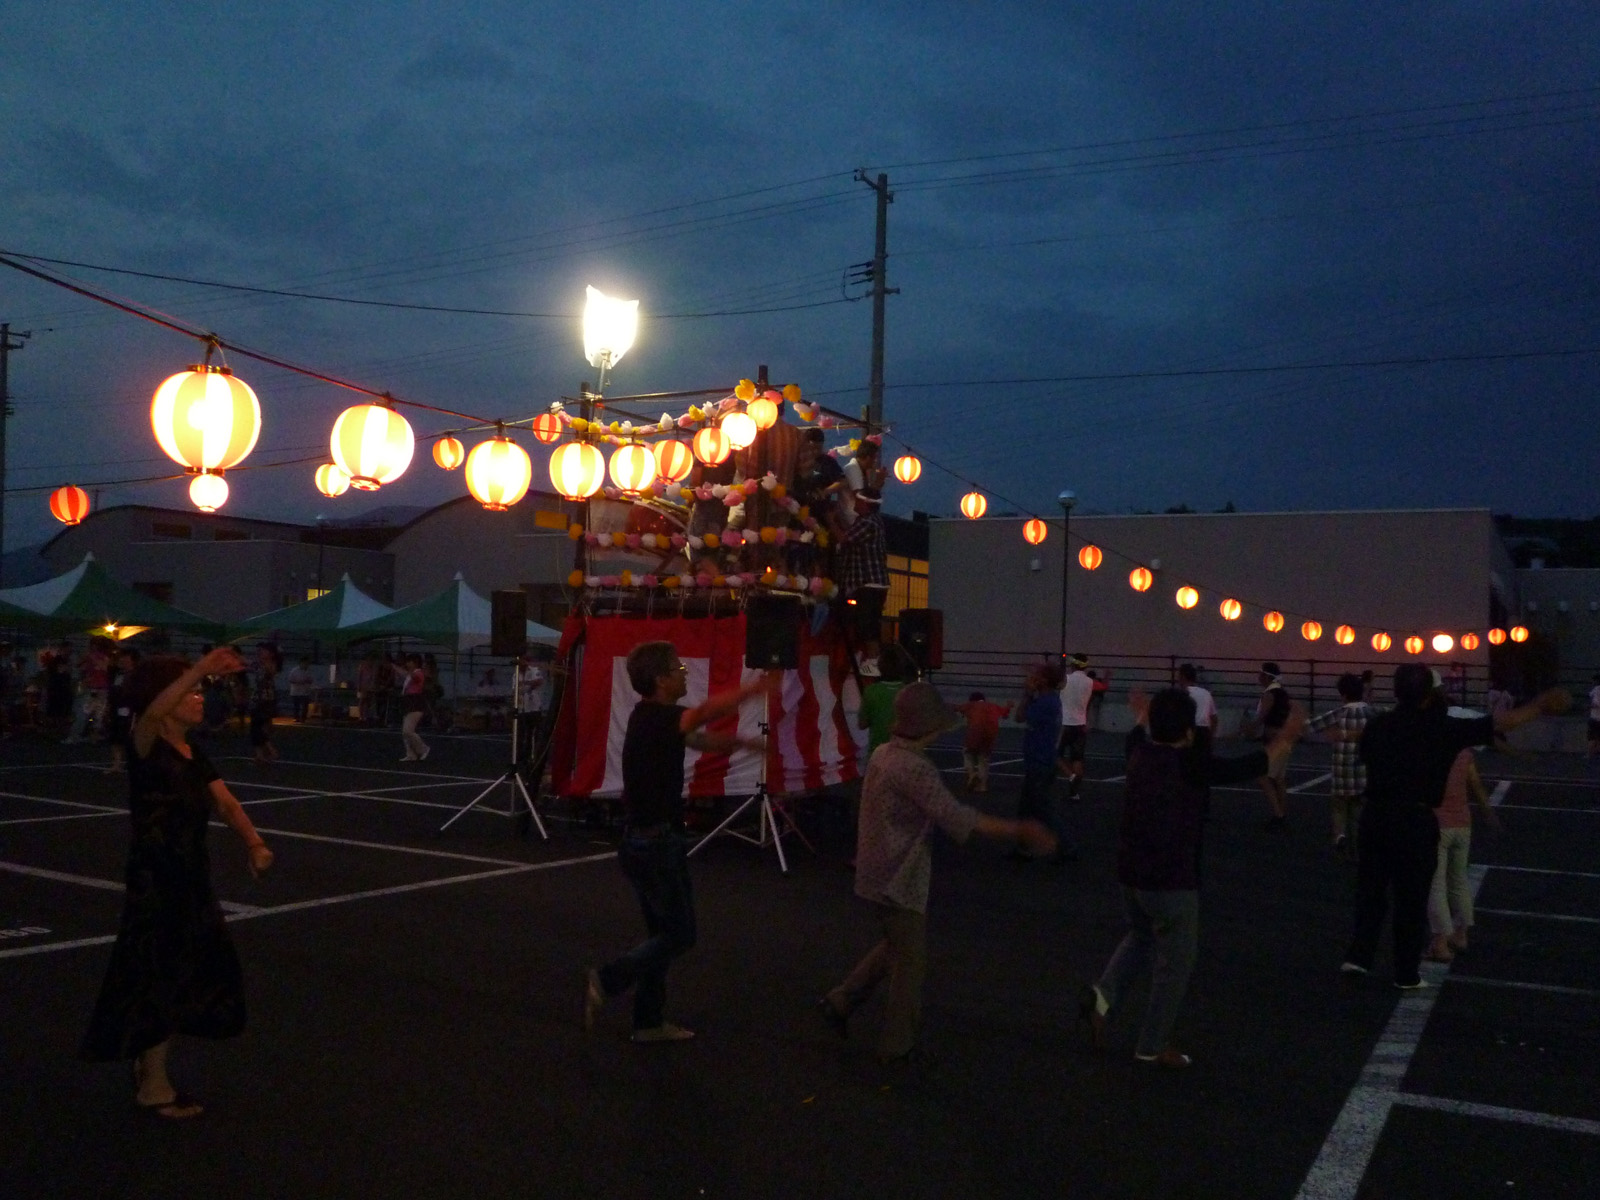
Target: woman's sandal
{"type": "Point", "coordinates": [179, 1108]}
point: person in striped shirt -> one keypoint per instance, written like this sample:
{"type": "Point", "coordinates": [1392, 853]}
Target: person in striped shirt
{"type": "Point", "coordinates": [1343, 727]}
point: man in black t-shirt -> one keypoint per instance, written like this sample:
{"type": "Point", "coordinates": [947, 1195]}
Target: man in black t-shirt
{"type": "Point", "coordinates": [1408, 752]}
{"type": "Point", "coordinates": [654, 852]}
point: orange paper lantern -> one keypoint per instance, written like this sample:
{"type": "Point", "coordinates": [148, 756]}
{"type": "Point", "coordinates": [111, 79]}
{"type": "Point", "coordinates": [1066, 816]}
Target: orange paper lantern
{"type": "Point", "coordinates": [908, 468]}
{"type": "Point", "coordinates": [711, 446]}
{"type": "Point", "coordinates": [1187, 597]}
{"type": "Point", "coordinates": [331, 480]}
{"type": "Point", "coordinates": [1469, 641]}
{"type": "Point", "coordinates": [674, 460]}
{"type": "Point", "coordinates": [498, 473]}
{"type": "Point", "coordinates": [763, 412]}
{"type": "Point", "coordinates": [1230, 610]}
{"type": "Point", "coordinates": [1034, 531]}
{"type": "Point", "coordinates": [1381, 642]}
{"type": "Point", "coordinates": [1140, 579]}
{"type": "Point", "coordinates": [1413, 644]}
{"type": "Point", "coordinates": [1497, 637]}
{"type": "Point", "coordinates": [547, 428]}
{"type": "Point", "coordinates": [69, 504]}
{"type": "Point", "coordinates": [973, 505]}
{"type": "Point", "coordinates": [1344, 635]}
{"type": "Point", "coordinates": [1311, 631]}
{"type": "Point", "coordinates": [1090, 558]}
{"type": "Point", "coordinates": [577, 470]}
{"type": "Point", "coordinates": [1273, 622]}
{"type": "Point", "coordinates": [449, 453]}
{"type": "Point", "coordinates": [1519, 633]}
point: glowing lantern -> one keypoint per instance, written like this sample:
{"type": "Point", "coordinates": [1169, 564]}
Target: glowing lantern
{"type": "Point", "coordinates": [1034, 531]}
{"type": "Point", "coordinates": [1497, 637]}
{"type": "Point", "coordinates": [209, 492]}
{"type": "Point", "coordinates": [1469, 641]}
{"type": "Point", "coordinates": [673, 460]}
{"type": "Point", "coordinates": [1413, 644]}
{"type": "Point", "coordinates": [498, 473]}
{"type": "Point", "coordinates": [740, 430]}
{"type": "Point", "coordinates": [372, 444]}
{"type": "Point", "coordinates": [1344, 635]}
{"type": "Point", "coordinates": [577, 470]}
{"type": "Point", "coordinates": [1140, 579]}
{"type": "Point", "coordinates": [547, 428]}
{"type": "Point", "coordinates": [449, 453]}
{"type": "Point", "coordinates": [1311, 631]}
{"type": "Point", "coordinates": [205, 419]}
{"type": "Point", "coordinates": [331, 481]}
{"type": "Point", "coordinates": [1381, 642]}
{"type": "Point", "coordinates": [1273, 622]}
{"type": "Point", "coordinates": [69, 504]}
{"type": "Point", "coordinates": [1090, 558]}
{"type": "Point", "coordinates": [1443, 643]}
{"type": "Point", "coordinates": [1519, 633]}
{"type": "Point", "coordinates": [763, 412]}
{"type": "Point", "coordinates": [633, 467]}
{"type": "Point", "coordinates": [973, 505]}
{"type": "Point", "coordinates": [711, 446]}
{"type": "Point", "coordinates": [1188, 597]}
{"type": "Point", "coordinates": [1230, 610]}
{"type": "Point", "coordinates": [908, 468]}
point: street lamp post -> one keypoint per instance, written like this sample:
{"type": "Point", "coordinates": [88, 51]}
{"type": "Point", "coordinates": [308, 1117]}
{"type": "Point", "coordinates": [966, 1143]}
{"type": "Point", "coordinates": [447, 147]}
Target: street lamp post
{"type": "Point", "coordinates": [1066, 499]}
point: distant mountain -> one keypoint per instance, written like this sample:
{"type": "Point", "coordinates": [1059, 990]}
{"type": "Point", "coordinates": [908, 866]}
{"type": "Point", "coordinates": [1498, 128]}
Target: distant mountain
{"type": "Point", "coordinates": [24, 566]}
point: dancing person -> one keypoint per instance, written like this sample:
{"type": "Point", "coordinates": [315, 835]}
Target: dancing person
{"type": "Point", "coordinates": [902, 801]}
{"type": "Point", "coordinates": [120, 711]}
{"type": "Point", "coordinates": [654, 851]}
{"type": "Point", "coordinates": [1408, 752]}
{"type": "Point", "coordinates": [1450, 897]}
{"type": "Point", "coordinates": [1077, 690]}
{"type": "Point", "coordinates": [413, 682]}
{"type": "Point", "coordinates": [264, 702]}
{"type": "Point", "coordinates": [1343, 727]}
{"type": "Point", "coordinates": [1158, 863]}
{"type": "Point", "coordinates": [983, 731]}
{"type": "Point", "coordinates": [94, 682]}
{"type": "Point", "coordinates": [896, 668]}
{"type": "Point", "coordinates": [1272, 710]}
{"type": "Point", "coordinates": [1205, 708]}
{"type": "Point", "coordinates": [173, 968]}
{"type": "Point", "coordinates": [1040, 713]}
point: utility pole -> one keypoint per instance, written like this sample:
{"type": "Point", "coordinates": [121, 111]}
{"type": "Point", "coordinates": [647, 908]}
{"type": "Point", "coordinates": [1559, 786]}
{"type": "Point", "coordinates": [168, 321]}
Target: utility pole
{"type": "Point", "coordinates": [7, 345]}
{"type": "Point", "coordinates": [880, 289]}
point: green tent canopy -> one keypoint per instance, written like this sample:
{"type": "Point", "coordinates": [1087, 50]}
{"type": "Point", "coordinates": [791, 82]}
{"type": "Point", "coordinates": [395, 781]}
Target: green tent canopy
{"type": "Point", "coordinates": [456, 618]}
{"type": "Point", "coordinates": [87, 598]}
{"type": "Point", "coordinates": [328, 618]}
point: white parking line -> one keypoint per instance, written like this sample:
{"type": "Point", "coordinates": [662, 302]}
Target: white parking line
{"type": "Point", "coordinates": [1546, 871]}
{"type": "Point", "coordinates": [1311, 783]}
{"type": "Point", "coordinates": [109, 885]}
{"type": "Point", "coordinates": [63, 803]}
{"type": "Point", "coordinates": [338, 841]}
{"type": "Point", "coordinates": [1547, 808]}
{"type": "Point", "coordinates": [1495, 1113]}
{"type": "Point", "coordinates": [1539, 916]}
{"type": "Point", "coordinates": [336, 766]}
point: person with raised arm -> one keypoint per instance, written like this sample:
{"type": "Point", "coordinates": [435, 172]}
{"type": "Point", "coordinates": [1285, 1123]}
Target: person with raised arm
{"type": "Point", "coordinates": [173, 968]}
{"type": "Point", "coordinates": [654, 850]}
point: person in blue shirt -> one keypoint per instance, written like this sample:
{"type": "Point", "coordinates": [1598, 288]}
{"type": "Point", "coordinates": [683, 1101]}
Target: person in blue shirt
{"type": "Point", "coordinates": [1040, 713]}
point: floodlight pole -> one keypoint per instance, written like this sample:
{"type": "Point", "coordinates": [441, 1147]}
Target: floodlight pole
{"type": "Point", "coordinates": [7, 345]}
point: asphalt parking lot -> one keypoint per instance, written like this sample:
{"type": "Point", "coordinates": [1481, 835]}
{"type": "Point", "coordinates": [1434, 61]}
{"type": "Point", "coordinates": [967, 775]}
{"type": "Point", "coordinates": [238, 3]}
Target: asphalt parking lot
{"type": "Point", "coordinates": [416, 1025]}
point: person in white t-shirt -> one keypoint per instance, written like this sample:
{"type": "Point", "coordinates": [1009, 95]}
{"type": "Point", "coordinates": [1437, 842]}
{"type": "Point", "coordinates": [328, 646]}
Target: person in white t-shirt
{"type": "Point", "coordinates": [1205, 707]}
{"type": "Point", "coordinates": [1594, 718]}
{"type": "Point", "coordinates": [1077, 689]}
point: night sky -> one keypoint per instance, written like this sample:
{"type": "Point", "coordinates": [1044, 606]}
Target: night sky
{"type": "Point", "coordinates": [1115, 190]}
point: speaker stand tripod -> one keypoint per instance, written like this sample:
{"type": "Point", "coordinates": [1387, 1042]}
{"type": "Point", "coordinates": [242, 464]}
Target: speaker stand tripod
{"type": "Point", "coordinates": [512, 777]}
{"type": "Point", "coordinates": [767, 817]}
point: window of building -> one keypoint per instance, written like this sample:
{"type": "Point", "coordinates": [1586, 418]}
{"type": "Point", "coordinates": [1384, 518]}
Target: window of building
{"type": "Point", "coordinates": [230, 535]}
{"type": "Point", "coordinates": [908, 584]}
{"type": "Point", "coordinates": [170, 529]}
{"type": "Point", "coordinates": [313, 592]}
{"type": "Point", "coordinates": [161, 591]}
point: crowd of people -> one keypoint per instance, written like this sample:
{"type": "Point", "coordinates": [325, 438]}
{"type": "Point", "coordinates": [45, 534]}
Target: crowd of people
{"type": "Point", "coordinates": [1402, 779]}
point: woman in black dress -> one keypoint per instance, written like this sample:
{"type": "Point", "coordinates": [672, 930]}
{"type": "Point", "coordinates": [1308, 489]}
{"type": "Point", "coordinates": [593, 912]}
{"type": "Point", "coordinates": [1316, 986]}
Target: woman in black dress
{"type": "Point", "coordinates": [173, 969]}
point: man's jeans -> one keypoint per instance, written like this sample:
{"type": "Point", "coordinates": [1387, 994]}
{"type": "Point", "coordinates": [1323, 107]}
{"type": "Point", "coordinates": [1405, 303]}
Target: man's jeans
{"type": "Point", "coordinates": [1037, 800]}
{"type": "Point", "coordinates": [1163, 938]}
{"type": "Point", "coordinates": [658, 868]}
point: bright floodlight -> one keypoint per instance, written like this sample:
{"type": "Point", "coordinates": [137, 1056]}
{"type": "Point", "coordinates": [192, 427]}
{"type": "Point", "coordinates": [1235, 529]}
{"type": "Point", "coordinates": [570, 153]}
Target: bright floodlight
{"type": "Point", "coordinates": [609, 327]}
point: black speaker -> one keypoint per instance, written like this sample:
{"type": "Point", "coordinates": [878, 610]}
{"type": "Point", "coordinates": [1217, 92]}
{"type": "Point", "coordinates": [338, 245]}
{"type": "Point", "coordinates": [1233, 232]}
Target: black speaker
{"type": "Point", "coordinates": [922, 636]}
{"type": "Point", "coordinates": [508, 623]}
{"type": "Point", "coordinates": [772, 633]}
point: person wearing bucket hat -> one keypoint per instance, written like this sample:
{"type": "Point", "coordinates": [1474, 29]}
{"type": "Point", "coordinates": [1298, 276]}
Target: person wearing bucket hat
{"type": "Point", "coordinates": [903, 800]}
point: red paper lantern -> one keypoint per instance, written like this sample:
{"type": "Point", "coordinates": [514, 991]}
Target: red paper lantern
{"type": "Point", "coordinates": [1469, 641]}
{"type": "Point", "coordinates": [1140, 579]}
{"type": "Point", "coordinates": [674, 460]}
{"type": "Point", "coordinates": [1273, 622]}
{"type": "Point", "coordinates": [908, 468]}
{"type": "Point", "coordinates": [1519, 633]}
{"type": "Point", "coordinates": [1497, 637]}
{"type": "Point", "coordinates": [1090, 558]}
{"type": "Point", "coordinates": [1413, 644]}
{"type": "Point", "coordinates": [711, 446]}
{"type": "Point", "coordinates": [1034, 531]}
{"type": "Point", "coordinates": [547, 428]}
{"type": "Point", "coordinates": [577, 470]}
{"type": "Point", "coordinates": [1230, 610]}
{"type": "Point", "coordinates": [1344, 635]}
{"type": "Point", "coordinates": [69, 504]}
{"type": "Point", "coordinates": [1381, 642]}
{"type": "Point", "coordinates": [1311, 631]}
{"type": "Point", "coordinates": [1187, 597]}
{"type": "Point", "coordinates": [973, 505]}
{"type": "Point", "coordinates": [449, 453]}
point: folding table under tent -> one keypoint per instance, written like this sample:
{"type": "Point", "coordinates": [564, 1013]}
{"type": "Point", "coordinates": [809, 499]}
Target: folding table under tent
{"type": "Point", "coordinates": [88, 599]}
{"type": "Point", "coordinates": [328, 618]}
{"type": "Point", "coordinates": [811, 737]}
